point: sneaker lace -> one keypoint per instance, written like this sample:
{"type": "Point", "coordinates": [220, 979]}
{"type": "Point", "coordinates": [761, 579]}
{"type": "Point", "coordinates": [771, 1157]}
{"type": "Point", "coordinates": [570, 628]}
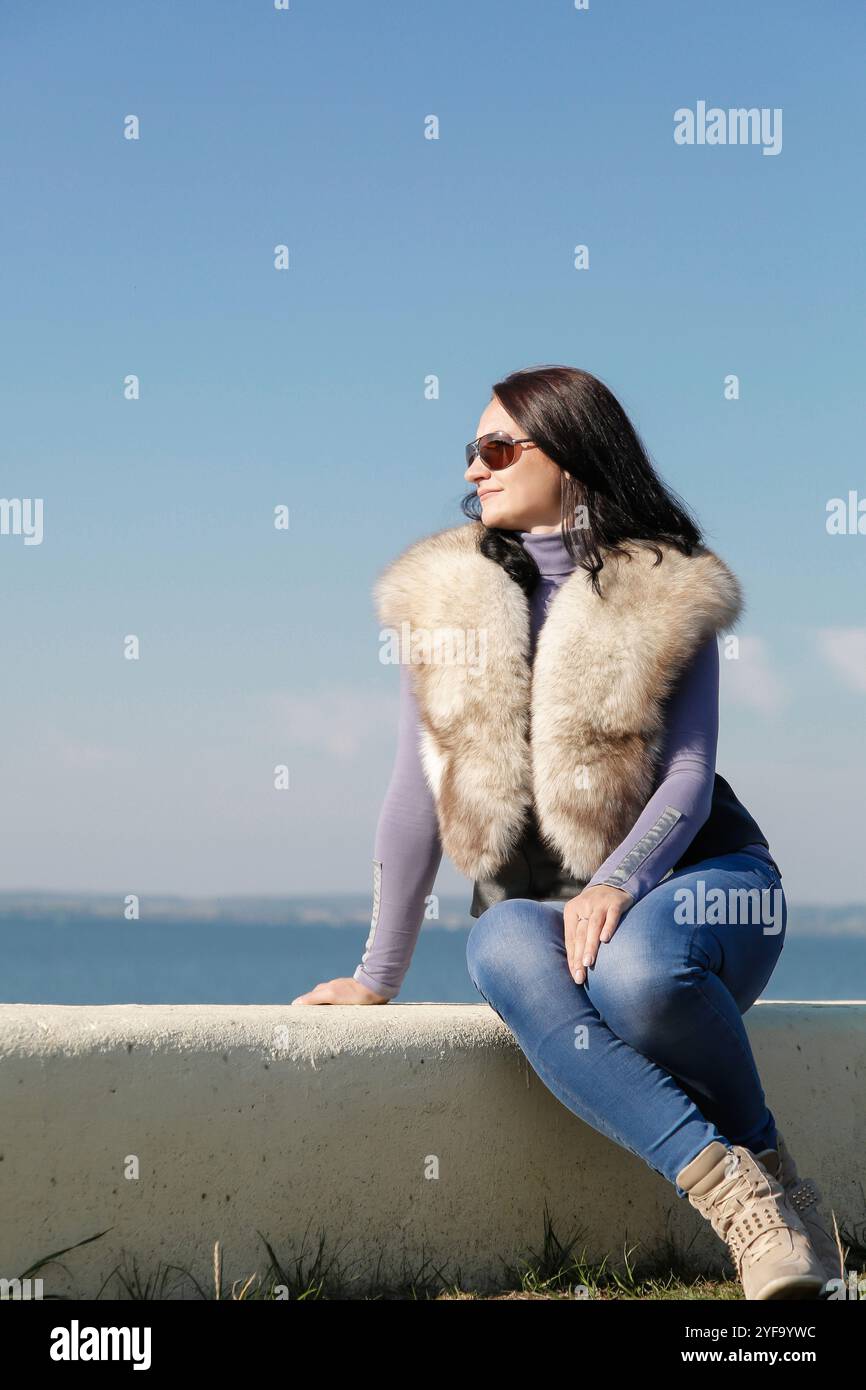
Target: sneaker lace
{"type": "Point", "coordinates": [730, 1203]}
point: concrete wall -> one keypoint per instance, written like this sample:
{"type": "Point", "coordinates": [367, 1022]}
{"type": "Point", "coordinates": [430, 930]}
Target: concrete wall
{"type": "Point", "coordinates": [286, 1119]}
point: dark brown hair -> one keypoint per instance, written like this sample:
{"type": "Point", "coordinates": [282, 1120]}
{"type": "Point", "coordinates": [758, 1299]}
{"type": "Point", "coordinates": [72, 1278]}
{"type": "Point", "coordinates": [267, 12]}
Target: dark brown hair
{"type": "Point", "coordinates": [578, 422]}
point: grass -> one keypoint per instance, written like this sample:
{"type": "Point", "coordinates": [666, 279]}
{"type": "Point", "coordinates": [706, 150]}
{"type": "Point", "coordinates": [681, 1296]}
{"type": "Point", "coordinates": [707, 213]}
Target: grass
{"type": "Point", "coordinates": [555, 1271]}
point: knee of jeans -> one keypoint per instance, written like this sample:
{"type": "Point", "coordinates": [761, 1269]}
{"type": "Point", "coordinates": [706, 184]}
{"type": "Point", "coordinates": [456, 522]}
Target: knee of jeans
{"type": "Point", "coordinates": [635, 998]}
{"type": "Point", "coordinates": [491, 940]}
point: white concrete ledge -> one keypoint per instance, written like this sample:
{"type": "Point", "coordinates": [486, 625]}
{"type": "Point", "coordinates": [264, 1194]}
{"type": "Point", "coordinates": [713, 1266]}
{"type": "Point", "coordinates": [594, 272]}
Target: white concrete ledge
{"type": "Point", "coordinates": [286, 1120]}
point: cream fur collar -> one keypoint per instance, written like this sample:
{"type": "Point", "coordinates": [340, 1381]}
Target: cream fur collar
{"type": "Point", "coordinates": [579, 731]}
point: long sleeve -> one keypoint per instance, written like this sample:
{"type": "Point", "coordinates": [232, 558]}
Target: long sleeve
{"type": "Point", "coordinates": [407, 853]}
{"type": "Point", "coordinates": [682, 800]}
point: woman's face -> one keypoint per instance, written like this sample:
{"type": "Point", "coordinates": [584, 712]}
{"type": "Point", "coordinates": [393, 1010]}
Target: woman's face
{"type": "Point", "coordinates": [525, 496]}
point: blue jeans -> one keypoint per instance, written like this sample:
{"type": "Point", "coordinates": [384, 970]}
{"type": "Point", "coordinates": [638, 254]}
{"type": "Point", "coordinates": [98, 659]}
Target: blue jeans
{"type": "Point", "coordinates": [651, 1049]}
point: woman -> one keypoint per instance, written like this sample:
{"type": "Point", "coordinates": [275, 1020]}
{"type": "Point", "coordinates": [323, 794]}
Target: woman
{"type": "Point", "coordinates": [557, 739]}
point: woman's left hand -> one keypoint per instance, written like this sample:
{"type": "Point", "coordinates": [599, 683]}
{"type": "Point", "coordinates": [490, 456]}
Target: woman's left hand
{"type": "Point", "coordinates": [591, 917]}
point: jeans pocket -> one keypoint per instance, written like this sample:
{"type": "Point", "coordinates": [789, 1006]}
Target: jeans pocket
{"type": "Point", "coordinates": [769, 873]}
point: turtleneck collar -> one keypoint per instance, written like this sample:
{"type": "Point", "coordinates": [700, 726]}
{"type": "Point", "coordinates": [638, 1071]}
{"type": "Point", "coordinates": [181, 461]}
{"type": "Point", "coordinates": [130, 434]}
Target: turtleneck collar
{"type": "Point", "coordinates": [548, 551]}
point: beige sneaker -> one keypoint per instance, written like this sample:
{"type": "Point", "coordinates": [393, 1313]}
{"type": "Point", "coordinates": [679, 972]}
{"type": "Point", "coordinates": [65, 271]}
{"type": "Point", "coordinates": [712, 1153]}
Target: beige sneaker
{"type": "Point", "coordinates": [747, 1207]}
{"type": "Point", "coordinates": [804, 1196]}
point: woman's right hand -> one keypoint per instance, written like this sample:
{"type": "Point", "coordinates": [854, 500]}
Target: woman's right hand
{"type": "Point", "coordinates": [340, 991]}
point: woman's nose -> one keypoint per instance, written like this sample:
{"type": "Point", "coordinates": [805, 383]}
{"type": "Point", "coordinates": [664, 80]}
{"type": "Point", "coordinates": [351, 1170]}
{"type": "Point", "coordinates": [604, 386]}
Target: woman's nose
{"type": "Point", "coordinates": [476, 470]}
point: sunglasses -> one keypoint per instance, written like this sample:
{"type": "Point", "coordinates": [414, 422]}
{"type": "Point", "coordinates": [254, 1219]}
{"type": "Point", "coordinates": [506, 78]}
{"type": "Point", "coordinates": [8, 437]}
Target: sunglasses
{"type": "Point", "coordinates": [497, 450]}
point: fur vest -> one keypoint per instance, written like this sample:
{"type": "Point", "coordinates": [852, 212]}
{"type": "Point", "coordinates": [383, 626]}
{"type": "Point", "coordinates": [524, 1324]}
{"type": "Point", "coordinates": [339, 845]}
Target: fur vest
{"type": "Point", "coordinates": [569, 741]}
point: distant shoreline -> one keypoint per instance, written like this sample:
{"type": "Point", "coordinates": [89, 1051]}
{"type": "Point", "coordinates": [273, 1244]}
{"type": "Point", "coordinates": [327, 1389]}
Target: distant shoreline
{"type": "Point", "coordinates": [327, 909]}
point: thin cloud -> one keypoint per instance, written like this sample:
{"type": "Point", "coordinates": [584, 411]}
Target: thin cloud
{"type": "Point", "coordinates": [844, 650]}
{"type": "Point", "coordinates": [749, 678]}
{"type": "Point", "coordinates": [340, 723]}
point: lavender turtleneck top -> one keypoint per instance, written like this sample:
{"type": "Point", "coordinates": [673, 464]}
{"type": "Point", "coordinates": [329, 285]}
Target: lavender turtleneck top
{"type": "Point", "coordinates": [407, 850]}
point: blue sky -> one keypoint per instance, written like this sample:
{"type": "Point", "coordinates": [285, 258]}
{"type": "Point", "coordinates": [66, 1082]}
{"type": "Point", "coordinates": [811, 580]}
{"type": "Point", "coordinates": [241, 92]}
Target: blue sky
{"type": "Point", "coordinates": [306, 387]}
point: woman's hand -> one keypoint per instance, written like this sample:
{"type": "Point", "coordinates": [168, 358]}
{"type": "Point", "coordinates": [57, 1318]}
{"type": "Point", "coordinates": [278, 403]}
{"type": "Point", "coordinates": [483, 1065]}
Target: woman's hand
{"type": "Point", "coordinates": [591, 917]}
{"type": "Point", "coordinates": [341, 991]}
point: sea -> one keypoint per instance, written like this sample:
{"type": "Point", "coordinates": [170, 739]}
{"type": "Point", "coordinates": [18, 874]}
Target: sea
{"type": "Point", "coordinates": [79, 949]}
